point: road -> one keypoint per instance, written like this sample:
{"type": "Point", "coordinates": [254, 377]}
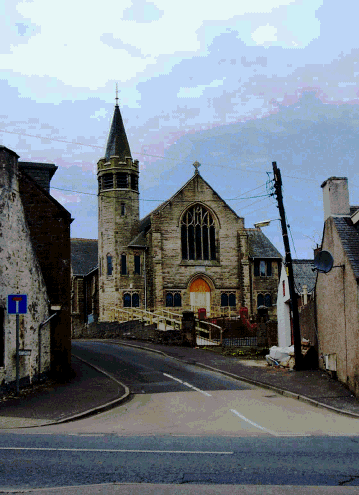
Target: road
{"type": "Point", "coordinates": [185, 425]}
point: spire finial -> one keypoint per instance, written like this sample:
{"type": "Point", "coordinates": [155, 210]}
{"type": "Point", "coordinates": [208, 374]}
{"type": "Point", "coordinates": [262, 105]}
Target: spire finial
{"type": "Point", "coordinates": [196, 166]}
{"type": "Point", "coordinates": [116, 95]}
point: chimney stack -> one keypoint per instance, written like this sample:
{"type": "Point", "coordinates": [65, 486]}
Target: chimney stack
{"type": "Point", "coordinates": [336, 197]}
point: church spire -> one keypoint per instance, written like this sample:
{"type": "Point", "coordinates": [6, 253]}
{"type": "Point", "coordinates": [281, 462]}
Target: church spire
{"type": "Point", "coordinates": [117, 143]}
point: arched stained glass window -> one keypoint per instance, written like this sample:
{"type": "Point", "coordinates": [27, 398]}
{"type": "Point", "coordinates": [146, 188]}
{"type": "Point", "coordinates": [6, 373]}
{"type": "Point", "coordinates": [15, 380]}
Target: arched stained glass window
{"type": "Point", "coordinates": [198, 234]}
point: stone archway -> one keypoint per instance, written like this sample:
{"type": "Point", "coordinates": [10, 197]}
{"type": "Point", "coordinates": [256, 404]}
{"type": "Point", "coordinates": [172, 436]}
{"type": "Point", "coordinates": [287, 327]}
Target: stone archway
{"type": "Point", "coordinates": [200, 295]}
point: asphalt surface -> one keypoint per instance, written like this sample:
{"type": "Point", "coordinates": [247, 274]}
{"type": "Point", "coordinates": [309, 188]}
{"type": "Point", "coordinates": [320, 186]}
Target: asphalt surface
{"type": "Point", "coordinates": [91, 391]}
{"type": "Point", "coordinates": [36, 460]}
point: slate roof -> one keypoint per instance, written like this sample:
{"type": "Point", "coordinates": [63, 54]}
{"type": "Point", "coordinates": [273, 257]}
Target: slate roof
{"type": "Point", "coordinates": [84, 256]}
{"type": "Point", "coordinates": [139, 241]}
{"type": "Point", "coordinates": [117, 143]}
{"type": "Point", "coordinates": [304, 275]}
{"type": "Point", "coordinates": [349, 235]}
{"type": "Point", "coordinates": [260, 246]}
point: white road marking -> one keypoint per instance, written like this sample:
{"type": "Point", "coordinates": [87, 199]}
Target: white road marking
{"type": "Point", "coordinates": [54, 449]}
{"type": "Point", "coordinates": [253, 423]}
{"type": "Point", "coordinates": [188, 385]}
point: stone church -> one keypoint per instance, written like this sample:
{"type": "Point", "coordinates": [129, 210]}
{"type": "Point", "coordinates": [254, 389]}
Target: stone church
{"type": "Point", "coordinates": [191, 252]}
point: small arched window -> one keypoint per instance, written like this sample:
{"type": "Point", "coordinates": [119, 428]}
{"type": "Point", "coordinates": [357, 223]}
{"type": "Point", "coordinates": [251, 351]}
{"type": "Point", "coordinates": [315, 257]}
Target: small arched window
{"type": "Point", "coordinates": [268, 300]}
{"type": "Point", "coordinates": [260, 300]}
{"type": "Point", "coordinates": [173, 300]}
{"type": "Point", "coordinates": [224, 299]}
{"type": "Point", "coordinates": [198, 234]}
{"type": "Point", "coordinates": [135, 300]}
{"type": "Point", "coordinates": [127, 300]}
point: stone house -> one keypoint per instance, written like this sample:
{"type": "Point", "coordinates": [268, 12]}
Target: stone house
{"type": "Point", "coordinates": [191, 252]}
{"type": "Point", "coordinates": [304, 281]}
{"type": "Point", "coordinates": [34, 260]}
{"type": "Point", "coordinates": [337, 302]}
{"type": "Point", "coordinates": [84, 280]}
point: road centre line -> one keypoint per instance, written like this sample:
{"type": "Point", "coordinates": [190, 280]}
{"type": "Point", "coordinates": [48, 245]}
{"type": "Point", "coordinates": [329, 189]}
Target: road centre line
{"type": "Point", "coordinates": [253, 423]}
{"type": "Point", "coordinates": [188, 385]}
{"type": "Point", "coordinates": [54, 449]}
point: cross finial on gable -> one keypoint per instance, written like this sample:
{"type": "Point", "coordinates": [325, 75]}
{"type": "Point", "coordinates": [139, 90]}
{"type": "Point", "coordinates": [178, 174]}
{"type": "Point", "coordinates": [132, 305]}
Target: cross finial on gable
{"type": "Point", "coordinates": [116, 95]}
{"type": "Point", "coordinates": [196, 166]}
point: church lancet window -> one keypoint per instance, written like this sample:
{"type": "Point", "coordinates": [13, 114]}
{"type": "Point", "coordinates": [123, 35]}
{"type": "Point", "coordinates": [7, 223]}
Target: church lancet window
{"type": "Point", "coordinates": [198, 234]}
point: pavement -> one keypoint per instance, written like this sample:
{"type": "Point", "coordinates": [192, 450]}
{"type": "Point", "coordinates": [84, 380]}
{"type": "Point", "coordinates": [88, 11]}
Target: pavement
{"type": "Point", "coordinates": [92, 390]}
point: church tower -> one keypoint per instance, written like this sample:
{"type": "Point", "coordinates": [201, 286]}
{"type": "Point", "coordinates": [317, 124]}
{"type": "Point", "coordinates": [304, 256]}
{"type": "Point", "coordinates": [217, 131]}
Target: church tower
{"type": "Point", "coordinates": [118, 222]}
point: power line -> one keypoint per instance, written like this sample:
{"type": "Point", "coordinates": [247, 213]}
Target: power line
{"type": "Point", "coordinates": [305, 179]}
{"type": "Point", "coordinates": [164, 200]}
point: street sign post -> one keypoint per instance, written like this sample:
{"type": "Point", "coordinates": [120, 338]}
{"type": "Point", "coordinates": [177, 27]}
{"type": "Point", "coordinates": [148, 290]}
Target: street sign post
{"type": "Point", "coordinates": [16, 305]}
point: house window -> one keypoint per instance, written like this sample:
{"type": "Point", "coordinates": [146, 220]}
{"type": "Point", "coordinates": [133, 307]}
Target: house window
{"type": "Point", "coordinates": [228, 299]}
{"type": "Point", "coordinates": [262, 268]}
{"type": "Point", "coordinates": [123, 209]}
{"type": "Point", "coordinates": [121, 180]}
{"type": "Point", "coordinates": [107, 181]}
{"type": "Point", "coordinates": [198, 234]}
{"type": "Point", "coordinates": [131, 300]}
{"type": "Point", "coordinates": [109, 264]}
{"type": "Point", "coordinates": [123, 264]}
{"type": "Point", "coordinates": [173, 300]}
{"type": "Point", "coordinates": [283, 283]}
{"type": "Point", "coordinates": [137, 262]}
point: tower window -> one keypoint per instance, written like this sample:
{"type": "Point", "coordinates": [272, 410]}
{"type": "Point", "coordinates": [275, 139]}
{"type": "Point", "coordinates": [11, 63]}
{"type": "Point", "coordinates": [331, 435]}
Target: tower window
{"type": "Point", "coordinates": [121, 180]}
{"type": "Point", "coordinates": [123, 209]}
{"type": "Point", "coordinates": [198, 234]}
{"type": "Point", "coordinates": [123, 264]}
{"type": "Point", "coordinates": [109, 264]}
{"type": "Point", "coordinates": [107, 181]}
{"type": "Point", "coordinates": [137, 262]}
{"type": "Point", "coordinates": [134, 182]}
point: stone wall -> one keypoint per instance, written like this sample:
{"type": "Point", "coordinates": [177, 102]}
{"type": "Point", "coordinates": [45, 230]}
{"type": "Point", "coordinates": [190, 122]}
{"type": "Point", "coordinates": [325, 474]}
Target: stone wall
{"type": "Point", "coordinates": [20, 273]}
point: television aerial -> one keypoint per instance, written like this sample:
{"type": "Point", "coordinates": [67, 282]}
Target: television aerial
{"type": "Point", "coordinates": [323, 262]}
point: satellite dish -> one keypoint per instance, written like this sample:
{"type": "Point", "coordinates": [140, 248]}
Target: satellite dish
{"type": "Point", "coordinates": [323, 262]}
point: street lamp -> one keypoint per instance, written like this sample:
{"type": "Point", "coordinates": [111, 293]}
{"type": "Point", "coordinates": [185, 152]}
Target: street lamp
{"type": "Point", "coordinates": [265, 223]}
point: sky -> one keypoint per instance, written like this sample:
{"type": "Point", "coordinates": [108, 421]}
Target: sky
{"type": "Point", "coordinates": [234, 85]}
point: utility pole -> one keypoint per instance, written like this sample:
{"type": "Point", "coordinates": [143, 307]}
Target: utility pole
{"type": "Point", "coordinates": [289, 265]}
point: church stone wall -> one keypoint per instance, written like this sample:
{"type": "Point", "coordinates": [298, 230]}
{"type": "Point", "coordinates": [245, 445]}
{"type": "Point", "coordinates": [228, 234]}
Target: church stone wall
{"type": "Point", "coordinates": [171, 272]}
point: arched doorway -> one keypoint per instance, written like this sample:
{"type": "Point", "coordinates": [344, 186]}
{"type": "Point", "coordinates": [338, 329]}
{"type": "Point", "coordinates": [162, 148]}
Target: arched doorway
{"type": "Point", "coordinates": [200, 295]}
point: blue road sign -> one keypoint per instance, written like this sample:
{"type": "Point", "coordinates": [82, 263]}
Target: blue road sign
{"type": "Point", "coordinates": [17, 304]}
